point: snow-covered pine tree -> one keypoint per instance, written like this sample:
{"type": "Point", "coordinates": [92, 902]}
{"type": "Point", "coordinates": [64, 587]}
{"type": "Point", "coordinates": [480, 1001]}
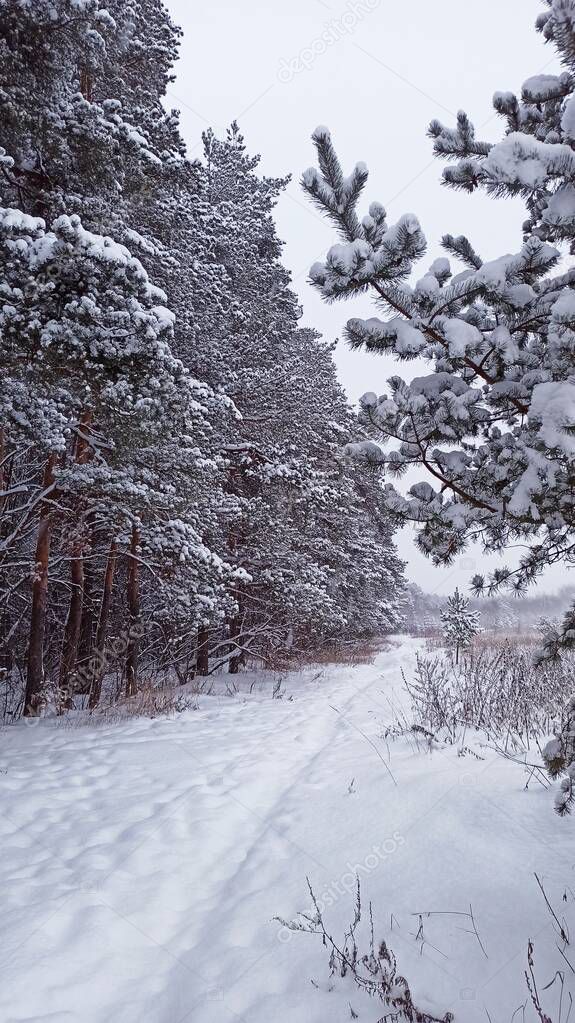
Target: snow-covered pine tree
{"type": "Point", "coordinates": [83, 139]}
{"type": "Point", "coordinates": [167, 218]}
{"type": "Point", "coordinates": [90, 387]}
{"type": "Point", "coordinates": [460, 623]}
{"type": "Point", "coordinates": [297, 523]}
{"type": "Point", "coordinates": [116, 516]}
{"type": "Point", "coordinates": [492, 423]}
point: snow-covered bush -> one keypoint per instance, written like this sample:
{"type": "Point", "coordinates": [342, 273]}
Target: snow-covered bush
{"type": "Point", "coordinates": [504, 693]}
{"type": "Point", "coordinates": [511, 694]}
{"type": "Point", "coordinates": [460, 623]}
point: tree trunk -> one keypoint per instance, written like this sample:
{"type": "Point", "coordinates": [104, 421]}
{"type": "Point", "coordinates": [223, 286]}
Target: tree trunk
{"type": "Point", "coordinates": [98, 660]}
{"type": "Point", "coordinates": [202, 661]}
{"type": "Point", "coordinates": [87, 85]}
{"type": "Point", "coordinates": [134, 611]}
{"type": "Point", "coordinates": [6, 659]}
{"type": "Point", "coordinates": [71, 638]}
{"type": "Point", "coordinates": [237, 660]}
{"type": "Point", "coordinates": [2, 463]}
{"type": "Point", "coordinates": [6, 470]}
{"type": "Point", "coordinates": [35, 673]}
{"type": "Point", "coordinates": [87, 631]}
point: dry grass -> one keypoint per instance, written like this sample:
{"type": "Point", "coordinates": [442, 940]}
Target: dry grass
{"type": "Point", "coordinates": [165, 698]}
{"type": "Point", "coordinates": [150, 702]}
{"type": "Point", "coordinates": [349, 654]}
{"type": "Point", "coordinates": [168, 699]}
{"type": "Point", "coordinates": [374, 971]}
{"type": "Point", "coordinates": [490, 639]}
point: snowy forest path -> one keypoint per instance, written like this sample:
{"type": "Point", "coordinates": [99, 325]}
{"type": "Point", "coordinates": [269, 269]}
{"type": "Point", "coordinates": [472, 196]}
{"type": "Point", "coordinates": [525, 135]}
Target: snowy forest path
{"type": "Point", "coordinates": [146, 860]}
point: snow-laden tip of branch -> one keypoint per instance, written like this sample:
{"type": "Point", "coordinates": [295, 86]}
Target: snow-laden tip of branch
{"type": "Point", "coordinates": [321, 133]}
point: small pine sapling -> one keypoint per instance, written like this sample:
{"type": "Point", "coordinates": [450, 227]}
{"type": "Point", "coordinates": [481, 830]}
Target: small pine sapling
{"type": "Point", "coordinates": [460, 623]}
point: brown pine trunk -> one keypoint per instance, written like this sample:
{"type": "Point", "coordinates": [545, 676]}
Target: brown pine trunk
{"type": "Point", "coordinates": [131, 672]}
{"type": "Point", "coordinates": [202, 661]}
{"type": "Point", "coordinates": [71, 639]}
{"type": "Point", "coordinates": [2, 462]}
{"type": "Point", "coordinates": [35, 673]}
{"type": "Point", "coordinates": [6, 471]}
{"type": "Point", "coordinates": [97, 661]}
{"type": "Point", "coordinates": [72, 629]}
{"type": "Point", "coordinates": [5, 476]}
{"type": "Point", "coordinates": [87, 630]}
{"type": "Point", "coordinates": [86, 85]}
{"type": "Point", "coordinates": [237, 660]}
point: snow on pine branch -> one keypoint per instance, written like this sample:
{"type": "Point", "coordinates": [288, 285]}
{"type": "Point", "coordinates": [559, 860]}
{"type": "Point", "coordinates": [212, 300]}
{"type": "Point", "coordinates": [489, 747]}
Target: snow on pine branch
{"type": "Point", "coordinates": [493, 423]}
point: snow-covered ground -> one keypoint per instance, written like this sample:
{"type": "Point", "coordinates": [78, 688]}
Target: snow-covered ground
{"type": "Point", "coordinates": [142, 862]}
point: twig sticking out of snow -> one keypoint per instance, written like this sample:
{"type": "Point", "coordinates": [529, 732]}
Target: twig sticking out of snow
{"type": "Point", "coordinates": [448, 912]}
{"type": "Point", "coordinates": [370, 741]}
{"type": "Point", "coordinates": [374, 972]}
{"type": "Point", "coordinates": [563, 932]}
{"type": "Point", "coordinates": [532, 985]}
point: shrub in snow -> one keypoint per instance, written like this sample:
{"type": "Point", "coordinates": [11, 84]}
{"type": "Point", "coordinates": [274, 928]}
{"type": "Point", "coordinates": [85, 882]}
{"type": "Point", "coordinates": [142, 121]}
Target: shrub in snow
{"type": "Point", "coordinates": [492, 422]}
{"type": "Point", "coordinates": [460, 623]}
{"type": "Point", "coordinates": [503, 692]}
{"type": "Point", "coordinates": [374, 972]}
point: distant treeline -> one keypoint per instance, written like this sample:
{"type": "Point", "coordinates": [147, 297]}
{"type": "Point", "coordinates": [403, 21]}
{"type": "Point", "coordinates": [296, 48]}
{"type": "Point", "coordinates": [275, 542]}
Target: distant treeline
{"type": "Point", "coordinates": [505, 612]}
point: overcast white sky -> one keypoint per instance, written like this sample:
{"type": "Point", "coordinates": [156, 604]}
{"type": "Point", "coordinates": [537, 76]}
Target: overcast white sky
{"type": "Point", "coordinates": [376, 72]}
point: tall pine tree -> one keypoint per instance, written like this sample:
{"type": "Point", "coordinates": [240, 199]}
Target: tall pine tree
{"type": "Point", "coordinates": [492, 423]}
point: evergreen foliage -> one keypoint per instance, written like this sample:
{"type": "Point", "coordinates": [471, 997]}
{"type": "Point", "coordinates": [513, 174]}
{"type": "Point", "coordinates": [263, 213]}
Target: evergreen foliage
{"type": "Point", "coordinates": [173, 496]}
{"type": "Point", "coordinates": [492, 422]}
{"type": "Point", "coordinates": [460, 623]}
{"type": "Point", "coordinates": [559, 759]}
